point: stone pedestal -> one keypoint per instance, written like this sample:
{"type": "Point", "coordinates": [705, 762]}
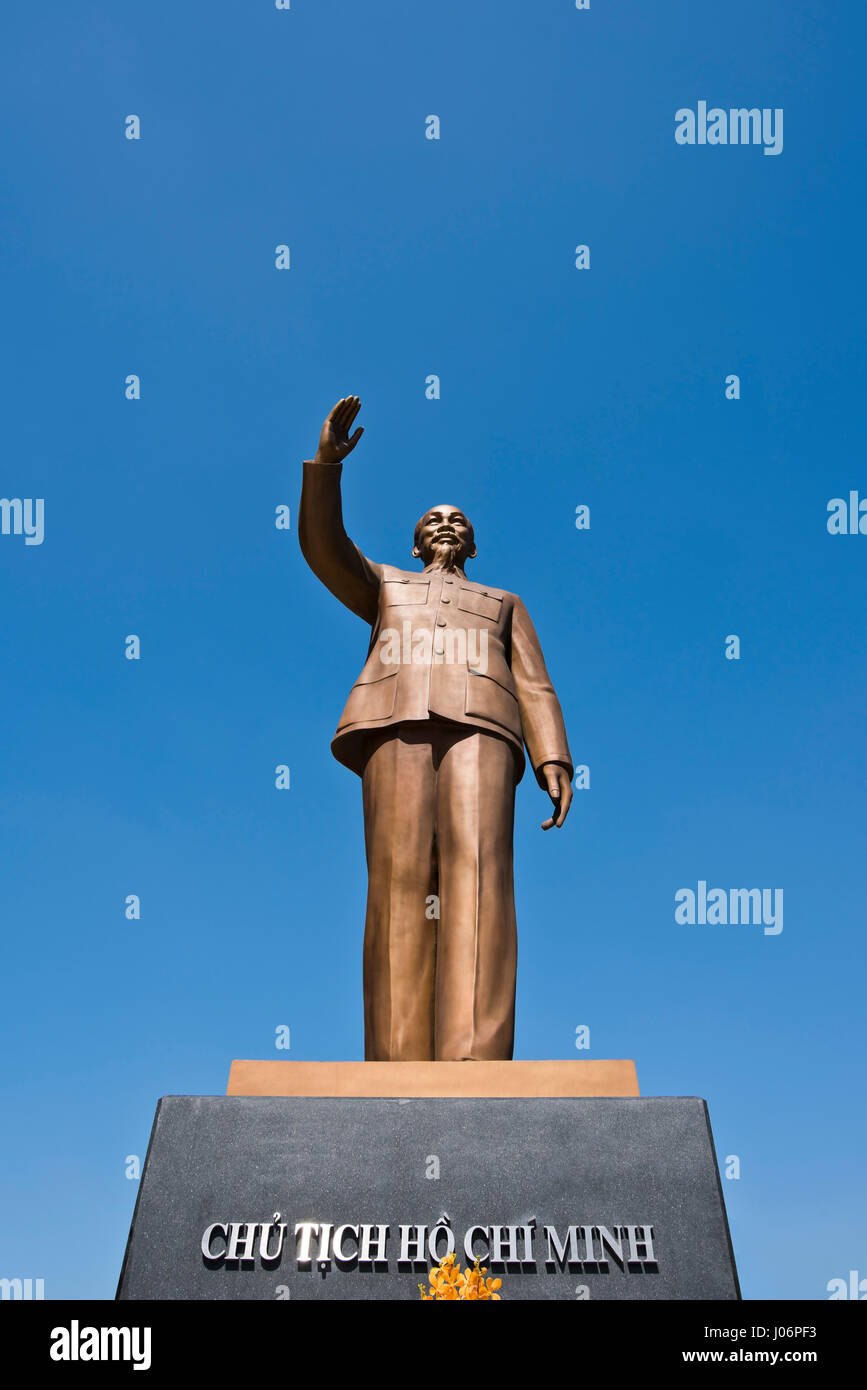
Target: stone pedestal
{"type": "Point", "coordinates": [562, 1196]}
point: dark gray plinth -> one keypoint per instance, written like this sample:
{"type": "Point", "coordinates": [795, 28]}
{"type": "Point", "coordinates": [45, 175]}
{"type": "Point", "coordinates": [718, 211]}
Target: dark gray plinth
{"type": "Point", "coordinates": [589, 1163]}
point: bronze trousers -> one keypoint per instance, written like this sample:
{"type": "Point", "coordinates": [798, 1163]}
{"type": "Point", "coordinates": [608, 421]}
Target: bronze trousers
{"type": "Point", "coordinates": [440, 939]}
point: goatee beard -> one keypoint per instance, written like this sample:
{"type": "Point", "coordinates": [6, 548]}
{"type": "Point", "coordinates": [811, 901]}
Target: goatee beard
{"type": "Point", "coordinates": [444, 555]}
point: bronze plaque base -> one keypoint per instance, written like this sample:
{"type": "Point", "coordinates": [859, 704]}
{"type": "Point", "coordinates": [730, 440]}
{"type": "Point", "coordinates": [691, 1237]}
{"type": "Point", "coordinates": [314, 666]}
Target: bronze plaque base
{"type": "Point", "coordinates": [434, 1079]}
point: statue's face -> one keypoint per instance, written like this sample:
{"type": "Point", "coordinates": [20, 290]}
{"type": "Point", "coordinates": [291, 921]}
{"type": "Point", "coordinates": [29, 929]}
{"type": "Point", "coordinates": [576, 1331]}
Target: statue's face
{"type": "Point", "coordinates": [444, 536]}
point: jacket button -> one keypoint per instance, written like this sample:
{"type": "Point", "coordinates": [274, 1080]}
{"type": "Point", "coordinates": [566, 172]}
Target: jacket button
{"type": "Point", "coordinates": [446, 600]}
{"type": "Point", "coordinates": [441, 622]}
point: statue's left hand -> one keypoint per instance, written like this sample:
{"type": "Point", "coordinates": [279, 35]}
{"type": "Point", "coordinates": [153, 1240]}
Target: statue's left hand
{"type": "Point", "coordinates": [560, 792]}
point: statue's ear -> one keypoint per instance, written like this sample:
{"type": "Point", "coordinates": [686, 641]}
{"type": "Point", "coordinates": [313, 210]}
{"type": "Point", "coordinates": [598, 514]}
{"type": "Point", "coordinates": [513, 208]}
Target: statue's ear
{"type": "Point", "coordinates": [416, 552]}
{"type": "Point", "coordinates": [473, 552]}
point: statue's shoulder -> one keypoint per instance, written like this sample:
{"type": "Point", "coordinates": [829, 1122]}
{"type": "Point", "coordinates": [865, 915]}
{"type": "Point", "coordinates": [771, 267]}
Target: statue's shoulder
{"type": "Point", "coordinates": [392, 572]}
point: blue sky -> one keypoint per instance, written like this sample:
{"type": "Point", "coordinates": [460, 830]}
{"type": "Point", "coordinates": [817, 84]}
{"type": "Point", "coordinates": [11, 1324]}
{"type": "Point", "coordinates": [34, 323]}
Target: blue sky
{"type": "Point", "coordinates": [559, 387]}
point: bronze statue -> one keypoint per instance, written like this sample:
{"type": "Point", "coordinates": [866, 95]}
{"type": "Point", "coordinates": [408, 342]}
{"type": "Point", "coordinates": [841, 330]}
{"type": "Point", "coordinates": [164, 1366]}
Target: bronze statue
{"type": "Point", "coordinates": [453, 687]}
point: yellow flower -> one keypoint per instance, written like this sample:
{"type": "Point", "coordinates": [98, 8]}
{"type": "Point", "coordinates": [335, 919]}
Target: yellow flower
{"type": "Point", "coordinates": [449, 1283]}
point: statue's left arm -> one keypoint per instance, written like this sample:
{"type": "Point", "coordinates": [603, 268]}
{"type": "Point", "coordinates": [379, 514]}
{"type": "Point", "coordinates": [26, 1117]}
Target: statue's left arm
{"type": "Point", "coordinates": [541, 716]}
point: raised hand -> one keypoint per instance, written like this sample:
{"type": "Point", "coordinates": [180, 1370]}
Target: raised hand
{"type": "Point", "coordinates": [334, 441]}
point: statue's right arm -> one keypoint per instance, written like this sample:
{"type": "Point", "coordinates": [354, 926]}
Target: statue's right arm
{"type": "Point", "coordinates": [329, 552]}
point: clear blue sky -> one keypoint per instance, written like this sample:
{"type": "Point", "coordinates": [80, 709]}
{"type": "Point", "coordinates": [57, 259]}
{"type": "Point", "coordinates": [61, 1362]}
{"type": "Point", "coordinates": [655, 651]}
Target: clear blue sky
{"type": "Point", "coordinates": [559, 387]}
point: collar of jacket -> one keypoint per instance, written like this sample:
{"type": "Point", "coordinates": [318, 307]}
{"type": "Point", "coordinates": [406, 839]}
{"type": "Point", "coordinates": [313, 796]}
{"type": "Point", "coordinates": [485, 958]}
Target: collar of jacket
{"type": "Point", "coordinates": [430, 569]}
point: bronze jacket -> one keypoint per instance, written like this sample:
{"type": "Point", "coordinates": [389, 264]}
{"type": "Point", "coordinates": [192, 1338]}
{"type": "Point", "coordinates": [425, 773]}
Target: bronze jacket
{"type": "Point", "coordinates": [441, 646]}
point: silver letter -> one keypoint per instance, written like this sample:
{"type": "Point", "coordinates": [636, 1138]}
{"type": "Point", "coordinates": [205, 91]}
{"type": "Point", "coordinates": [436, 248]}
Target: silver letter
{"type": "Point", "coordinates": [371, 1248]}
{"type": "Point", "coordinates": [556, 1251]}
{"type": "Point", "coordinates": [504, 1248]}
{"type": "Point", "coordinates": [469, 1240]}
{"type": "Point", "coordinates": [337, 1247]}
{"type": "Point", "coordinates": [441, 1229]}
{"type": "Point", "coordinates": [242, 1247]}
{"type": "Point", "coordinates": [614, 1244]}
{"type": "Point", "coordinates": [307, 1230]}
{"type": "Point", "coordinates": [267, 1226]}
{"type": "Point", "coordinates": [219, 1228]}
{"type": "Point", "coordinates": [412, 1239]}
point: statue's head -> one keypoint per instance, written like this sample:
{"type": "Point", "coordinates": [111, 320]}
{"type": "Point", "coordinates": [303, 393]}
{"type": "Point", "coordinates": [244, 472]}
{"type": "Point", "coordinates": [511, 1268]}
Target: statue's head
{"type": "Point", "coordinates": [444, 537]}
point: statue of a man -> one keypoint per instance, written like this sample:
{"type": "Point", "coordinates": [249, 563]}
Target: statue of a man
{"type": "Point", "coordinates": [453, 688]}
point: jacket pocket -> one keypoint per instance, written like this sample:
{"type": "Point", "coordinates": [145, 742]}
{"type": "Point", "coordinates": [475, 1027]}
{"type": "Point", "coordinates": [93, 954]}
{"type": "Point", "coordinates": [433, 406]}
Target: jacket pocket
{"type": "Point", "coordinates": [372, 697]}
{"type": "Point", "coordinates": [400, 593]}
{"type": "Point", "coordinates": [482, 605]}
{"type": "Point", "coordinates": [490, 700]}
